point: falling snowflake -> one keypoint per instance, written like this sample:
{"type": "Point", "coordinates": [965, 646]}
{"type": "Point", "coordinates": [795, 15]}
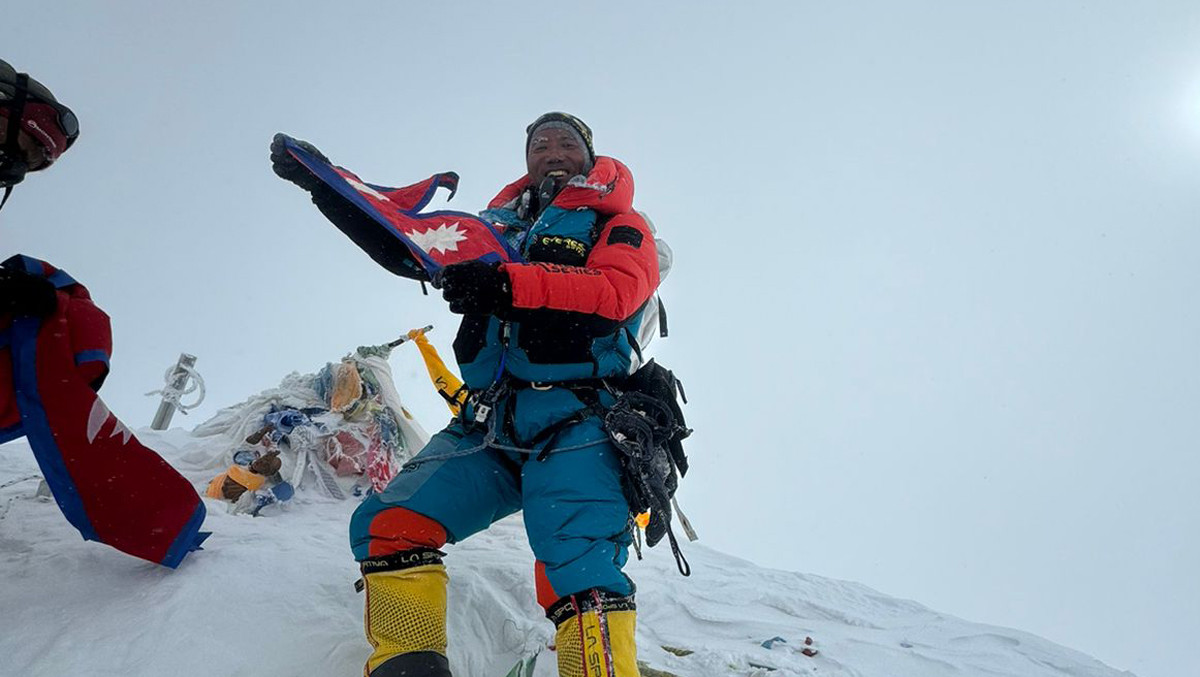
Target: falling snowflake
{"type": "Point", "coordinates": [444, 238]}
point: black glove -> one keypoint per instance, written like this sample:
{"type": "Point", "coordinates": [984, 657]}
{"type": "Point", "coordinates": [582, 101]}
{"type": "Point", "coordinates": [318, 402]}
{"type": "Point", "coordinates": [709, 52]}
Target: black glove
{"type": "Point", "coordinates": [475, 288]}
{"type": "Point", "coordinates": [25, 294]}
{"type": "Point", "coordinates": [289, 168]}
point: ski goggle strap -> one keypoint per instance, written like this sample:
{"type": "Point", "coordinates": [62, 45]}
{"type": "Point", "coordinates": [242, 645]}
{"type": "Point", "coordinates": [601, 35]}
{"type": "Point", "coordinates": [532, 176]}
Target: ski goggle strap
{"type": "Point", "coordinates": [12, 165]}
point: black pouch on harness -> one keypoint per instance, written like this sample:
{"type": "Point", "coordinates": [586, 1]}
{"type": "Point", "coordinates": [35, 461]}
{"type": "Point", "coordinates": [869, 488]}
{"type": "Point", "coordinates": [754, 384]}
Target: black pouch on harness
{"type": "Point", "coordinates": [646, 424]}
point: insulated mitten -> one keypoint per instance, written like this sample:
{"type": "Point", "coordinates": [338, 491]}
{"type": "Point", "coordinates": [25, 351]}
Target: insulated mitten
{"type": "Point", "coordinates": [289, 168]}
{"type": "Point", "coordinates": [476, 288]}
{"type": "Point", "coordinates": [25, 294]}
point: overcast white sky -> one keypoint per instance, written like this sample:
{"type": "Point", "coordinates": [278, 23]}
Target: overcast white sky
{"type": "Point", "coordinates": [934, 298]}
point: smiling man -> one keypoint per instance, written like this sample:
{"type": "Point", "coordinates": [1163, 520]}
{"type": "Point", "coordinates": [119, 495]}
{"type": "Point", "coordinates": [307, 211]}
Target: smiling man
{"type": "Point", "coordinates": [545, 349]}
{"type": "Point", "coordinates": [558, 147]}
{"type": "Point", "coordinates": [539, 345]}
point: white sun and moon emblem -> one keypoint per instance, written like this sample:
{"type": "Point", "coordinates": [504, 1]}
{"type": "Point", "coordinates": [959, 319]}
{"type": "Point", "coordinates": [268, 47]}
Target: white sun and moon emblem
{"type": "Point", "coordinates": [444, 238]}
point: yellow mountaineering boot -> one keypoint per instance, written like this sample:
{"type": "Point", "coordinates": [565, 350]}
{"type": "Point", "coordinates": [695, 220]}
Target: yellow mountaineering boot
{"type": "Point", "coordinates": [405, 616]}
{"type": "Point", "coordinates": [595, 636]}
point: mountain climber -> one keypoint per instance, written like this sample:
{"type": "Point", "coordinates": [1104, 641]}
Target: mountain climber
{"type": "Point", "coordinates": [34, 131]}
{"type": "Point", "coordinates": [55, 345]}
{"type": "Point", "coordinates": [536, 343]}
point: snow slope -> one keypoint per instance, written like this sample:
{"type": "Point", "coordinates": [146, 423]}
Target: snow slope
{"type": "Point", "coordinates": [273, 596]}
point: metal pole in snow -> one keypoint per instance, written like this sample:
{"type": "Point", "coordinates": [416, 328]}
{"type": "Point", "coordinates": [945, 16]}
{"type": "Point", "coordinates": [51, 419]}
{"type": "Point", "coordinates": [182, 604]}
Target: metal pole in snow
{"type": "Point", "coordinates": [166, 409]}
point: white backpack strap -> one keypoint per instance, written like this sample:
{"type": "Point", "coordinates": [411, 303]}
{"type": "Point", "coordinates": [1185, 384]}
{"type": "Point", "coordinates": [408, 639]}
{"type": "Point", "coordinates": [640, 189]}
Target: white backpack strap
{"type": "Point", "coordinates": [654, 316]}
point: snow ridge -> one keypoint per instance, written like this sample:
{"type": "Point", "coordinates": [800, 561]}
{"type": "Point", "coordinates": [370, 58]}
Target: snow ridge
{"type": "Point", "coordinates": [274, 595]}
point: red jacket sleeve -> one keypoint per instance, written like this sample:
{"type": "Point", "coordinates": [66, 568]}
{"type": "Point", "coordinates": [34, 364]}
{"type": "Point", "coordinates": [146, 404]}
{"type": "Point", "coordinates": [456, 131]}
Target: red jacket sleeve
{"type": "Point", "coordinates": [620, 275]}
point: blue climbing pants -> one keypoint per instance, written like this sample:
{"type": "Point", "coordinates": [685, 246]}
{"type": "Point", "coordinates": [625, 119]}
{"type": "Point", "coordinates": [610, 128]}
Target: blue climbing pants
{"type": "Point", "coordinates": [576, 516]}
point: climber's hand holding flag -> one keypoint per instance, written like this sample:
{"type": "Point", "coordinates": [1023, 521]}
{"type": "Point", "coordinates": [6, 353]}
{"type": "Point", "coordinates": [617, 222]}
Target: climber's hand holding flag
{"type": "Point", "coordinates": [24, 294]}
{"type": "Point", "coordinates": [289, 168]}
{"type": "Point", "coordinates": [379, 218]}
{"type": "Point", "coordinates": [475, 288]}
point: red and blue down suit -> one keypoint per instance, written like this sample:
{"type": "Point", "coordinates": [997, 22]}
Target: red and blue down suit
{"type": "Point", "coordinates": [576, 308]}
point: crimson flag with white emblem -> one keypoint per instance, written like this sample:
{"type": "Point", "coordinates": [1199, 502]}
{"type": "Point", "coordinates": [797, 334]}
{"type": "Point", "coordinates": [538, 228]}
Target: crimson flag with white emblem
{"type": "Point", "coordinates": [436, 239]}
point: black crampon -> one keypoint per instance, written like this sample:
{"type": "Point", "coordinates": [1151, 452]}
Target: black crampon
{"type": "Point", "coordinates": [646, 424]}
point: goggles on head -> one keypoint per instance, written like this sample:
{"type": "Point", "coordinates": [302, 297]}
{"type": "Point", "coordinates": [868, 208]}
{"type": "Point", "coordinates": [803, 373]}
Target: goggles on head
{"type": "Point", "coordinates": [27, 106]}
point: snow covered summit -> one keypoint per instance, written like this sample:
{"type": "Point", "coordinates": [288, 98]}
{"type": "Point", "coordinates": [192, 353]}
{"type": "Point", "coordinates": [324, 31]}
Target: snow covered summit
{"type": "Point", "coordinates": [273, 596]}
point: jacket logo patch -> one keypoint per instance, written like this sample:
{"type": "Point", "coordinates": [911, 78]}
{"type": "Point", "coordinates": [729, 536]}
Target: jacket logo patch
{"type": "Point", "coordinates": [565, 243]}
{"type": "Point", "coordinates": [558, 249]}
{"type": "Point", "coordinates": [625, 235]}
